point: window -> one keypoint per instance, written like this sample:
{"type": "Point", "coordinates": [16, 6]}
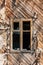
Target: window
{"type": "Point", "coordinates": [21, 35]}
{"type": "Point", "coordinates": [26, 35]}
{"type": "Point", "coordinates": [16, 40]}
{"type": "Point", "coordinates": [26, 25]}
{"type": "Point", "coordinates": [16, 25]}
{"type": "Point", "coordinates": [26, 40]}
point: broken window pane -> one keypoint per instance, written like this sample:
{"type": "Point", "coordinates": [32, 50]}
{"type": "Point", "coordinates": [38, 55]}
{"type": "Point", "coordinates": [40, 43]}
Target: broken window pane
{"type": "Point", "coordinates": [26, 40]}
{"type": "Point", "coordinates": [16, 40]}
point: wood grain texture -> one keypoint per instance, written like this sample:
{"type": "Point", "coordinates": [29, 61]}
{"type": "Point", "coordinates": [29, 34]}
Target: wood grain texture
{"type": "Point", "coordinates": [22, 9]}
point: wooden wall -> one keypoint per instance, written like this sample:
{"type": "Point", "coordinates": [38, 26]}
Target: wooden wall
{"type": "Point", "coordinates": [23, 9]}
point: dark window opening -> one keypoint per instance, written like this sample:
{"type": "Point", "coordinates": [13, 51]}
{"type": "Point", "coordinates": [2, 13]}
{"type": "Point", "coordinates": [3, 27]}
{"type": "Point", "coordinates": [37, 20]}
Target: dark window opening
{"type": "Point", "coordinates": [26, 25]}
{"type": "Point", "coordinates": [16, 25]}
{"type": "Point", "coordinates": [16, 40]}
{"type": "Point", "coordinates": [26, 40]}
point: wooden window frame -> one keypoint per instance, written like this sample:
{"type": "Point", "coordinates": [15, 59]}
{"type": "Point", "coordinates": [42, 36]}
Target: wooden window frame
{"type": "Point", "coordinates": [21, 33]}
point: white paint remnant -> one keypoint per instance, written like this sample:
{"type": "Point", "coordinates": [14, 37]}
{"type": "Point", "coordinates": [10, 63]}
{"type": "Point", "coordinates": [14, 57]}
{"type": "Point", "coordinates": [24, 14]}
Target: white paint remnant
{"type": "Point", "coordinates": [2, 59]}
{"type": "Point", "coordinates": [2, 41]}
{"type": "Point", "coordinates": [2, 15]}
